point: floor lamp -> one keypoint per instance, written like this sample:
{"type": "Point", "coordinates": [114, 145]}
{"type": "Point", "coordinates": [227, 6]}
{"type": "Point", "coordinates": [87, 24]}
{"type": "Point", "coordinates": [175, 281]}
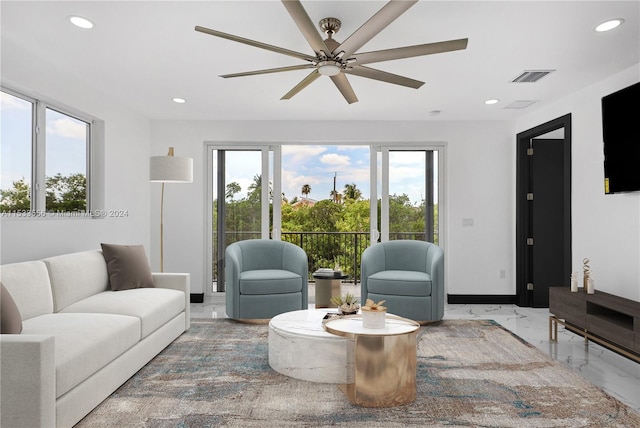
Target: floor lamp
{"type": "Point", "coordinates": [168, 169]}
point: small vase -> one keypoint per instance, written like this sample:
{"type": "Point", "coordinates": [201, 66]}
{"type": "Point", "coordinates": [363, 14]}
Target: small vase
{"type": "Point", "coordinates": [574, 282]}
{"type": "Point", "coordinates": [373, 319]}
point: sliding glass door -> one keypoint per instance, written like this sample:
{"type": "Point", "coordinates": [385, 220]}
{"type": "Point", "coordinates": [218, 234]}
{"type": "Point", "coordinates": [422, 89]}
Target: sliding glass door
{"type": "Point", "coordinates": [240, 200]}
{"type": "Point", "coordinates": [331, 200]}
{"type": "Point", "coordinates": [407, 186]}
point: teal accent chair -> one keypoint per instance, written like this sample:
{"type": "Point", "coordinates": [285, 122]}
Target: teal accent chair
{"type": "Point", "coordinates": [408, 275]}
{"type": "Point", "coordinates": [265, 278]}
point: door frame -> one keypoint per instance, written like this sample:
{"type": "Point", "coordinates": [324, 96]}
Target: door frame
{"type": "Point", "coordinates": [276, 149]}
{"type": "Point", "coordinates": [264, 149]}
{"type": "Point", "coordinates": [383, 234]}
{"type": "Point", "coordinates": [524, 296]}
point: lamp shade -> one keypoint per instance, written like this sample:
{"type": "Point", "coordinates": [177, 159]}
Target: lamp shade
{"type": "Point", "coordinates": [171, 169]}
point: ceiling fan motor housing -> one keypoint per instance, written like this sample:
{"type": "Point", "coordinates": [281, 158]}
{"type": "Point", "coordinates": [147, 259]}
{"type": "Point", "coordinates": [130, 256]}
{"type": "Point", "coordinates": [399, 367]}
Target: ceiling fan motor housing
{"type": "Point", "coordinates": [330, 26]}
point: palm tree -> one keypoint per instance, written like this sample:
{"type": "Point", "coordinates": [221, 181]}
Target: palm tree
{"type": "Point", "coordinates": [257, 183]}
{"type": "Point", "coordinates": [255, 188]}
{"type": "Point", "coordinates": [351, 191]}
{"type": "Point", "coordinates": [306, 189]}
{"type": "Point", "coordinates": [336, 196]}
{"type": "Point", "coordinates": [232, 189]}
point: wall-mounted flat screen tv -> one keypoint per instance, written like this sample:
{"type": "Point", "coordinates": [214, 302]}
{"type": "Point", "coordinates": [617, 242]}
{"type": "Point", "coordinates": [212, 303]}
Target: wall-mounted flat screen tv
{"type": "Point", "coordinates": [621, 135]}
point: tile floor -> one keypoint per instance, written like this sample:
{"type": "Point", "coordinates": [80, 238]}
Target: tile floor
{"type": "Point", "coordinates": [617, 375]}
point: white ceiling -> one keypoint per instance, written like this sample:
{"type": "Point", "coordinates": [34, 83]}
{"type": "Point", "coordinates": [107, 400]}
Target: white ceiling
{"type": "Point", "coordinates": [144, 53]}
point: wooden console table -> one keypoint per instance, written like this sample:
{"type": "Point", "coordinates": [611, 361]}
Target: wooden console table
{"type": "Point", "coordinates": [611, 321]}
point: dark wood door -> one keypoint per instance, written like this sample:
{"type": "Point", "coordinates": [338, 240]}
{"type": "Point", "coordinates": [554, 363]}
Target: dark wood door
{"type": "Point", "coordinates": [547, 219]}
{"type": "Point", "coordinates": [543, 232]}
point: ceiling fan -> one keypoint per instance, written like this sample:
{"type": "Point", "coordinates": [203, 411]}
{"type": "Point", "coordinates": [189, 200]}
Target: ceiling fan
{"type": "Point", "coordinates": [335, 59]}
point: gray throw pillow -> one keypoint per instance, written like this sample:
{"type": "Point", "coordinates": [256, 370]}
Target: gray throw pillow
{"type": "Point", "coordinates": [127, 266]}
{"type": "Point", "coordinates": [10, 318]}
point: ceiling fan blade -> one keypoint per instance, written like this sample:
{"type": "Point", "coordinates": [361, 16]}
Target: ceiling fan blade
{"type": "Point", "coordinates": [269, 70]}
{"type": "Point", "coordinates": [255, 43]}
{"type": "Point", "coordinates": [303, 84]}
{"type": "Point", "coordinates": [385, 16]}
{"type": "Point", "coordinates": [383, 76]}
{"type": "Point", "coordinates": [306, 26]}
{"type": "Point", "coordinates": [410, 51]}
{"type": "Point", "coordinates": [345, 88]}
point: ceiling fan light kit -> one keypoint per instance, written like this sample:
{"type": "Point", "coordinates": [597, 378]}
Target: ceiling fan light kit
{"type": "Point", "coordinates": [336, 60]}
{"type": "Point", "coordinates": [329, 67]}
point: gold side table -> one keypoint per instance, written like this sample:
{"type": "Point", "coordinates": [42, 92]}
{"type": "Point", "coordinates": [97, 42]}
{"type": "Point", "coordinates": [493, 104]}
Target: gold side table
{"type": "Point", "coordinates": [327, 286]}
{"type": "Point", "coordinates": [384, 360]}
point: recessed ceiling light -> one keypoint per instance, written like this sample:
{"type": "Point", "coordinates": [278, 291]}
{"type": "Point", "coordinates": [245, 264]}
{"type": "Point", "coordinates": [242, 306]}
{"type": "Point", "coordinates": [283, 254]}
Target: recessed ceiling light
{"type": "Point", "coordinates": [81, 22]}
{"type": "Point", "coordinates": [493, 101]}
{"type": "Point", "coordinates": [609, 25]}
{"type": "Point", "coordinates": [179, 100]}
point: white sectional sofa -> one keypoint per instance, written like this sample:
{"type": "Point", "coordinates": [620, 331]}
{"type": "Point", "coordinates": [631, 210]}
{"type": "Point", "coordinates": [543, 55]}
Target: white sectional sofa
{"type": "Point", "coordinates": [80, 340]}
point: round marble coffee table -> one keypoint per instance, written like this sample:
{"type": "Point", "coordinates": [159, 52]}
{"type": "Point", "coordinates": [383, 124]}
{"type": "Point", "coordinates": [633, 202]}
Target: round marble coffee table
{"type": "Point", "coordinates": [300, 348]}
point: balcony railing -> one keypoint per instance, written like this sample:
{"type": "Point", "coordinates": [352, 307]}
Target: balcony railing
{"type": "Point", "coordinates": [326, 249]}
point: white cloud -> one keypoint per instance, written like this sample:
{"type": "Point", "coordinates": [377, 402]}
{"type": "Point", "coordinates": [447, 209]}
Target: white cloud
{"type": "Point", "coordinates": [334, 159]}
{"type": "Point", "coordinates": [292, 184]}
{"type": "Point", "coordinates": [300, 154]}
{"type": "Point", "coordinates": [9, 102]}
{"type": "Point", "coordinates": [67, 127]}
{"type": "Point", "coordinates": [407, 158]}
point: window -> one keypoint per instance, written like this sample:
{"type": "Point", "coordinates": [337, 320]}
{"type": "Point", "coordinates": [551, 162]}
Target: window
{"type": "Point", "coordinates": [17, 151]}
{"type": "Point", "coordinates": [324, 199]}
{"type": "Point", "coordinates": [46, 158]}
{"type": "Point", "coordinates": [67, 142]}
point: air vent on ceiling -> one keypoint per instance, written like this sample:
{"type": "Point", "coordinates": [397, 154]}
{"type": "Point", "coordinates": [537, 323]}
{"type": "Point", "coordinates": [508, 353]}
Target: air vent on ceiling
{"type": "Point", "coordinates": [531, 76]}
{"type": "Point", "coordinates": [521, 104]}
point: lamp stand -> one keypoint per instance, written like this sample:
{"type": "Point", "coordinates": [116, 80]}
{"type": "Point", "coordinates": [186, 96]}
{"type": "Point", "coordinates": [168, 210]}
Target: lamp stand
{"type": "Point", "coordinates": [168, 169]}
{"type": "Point", "coordinates": [162, 229]}
{"type": "Point", "coordinates": [170, 153]}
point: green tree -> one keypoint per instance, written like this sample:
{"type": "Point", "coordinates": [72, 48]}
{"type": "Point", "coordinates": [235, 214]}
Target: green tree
{"type": "Point", "coordinates": [66, 193]}
{"type": "Point", "coordinates": [352, 192]}
{"type": "Point", "coordinates": [306, 189]}
{"type": "Point", "coordinates": [232, 189]}
{"type": "Point", "coordinates": [17, 198]}
{"type": "Point", "coordinates": [62, 194]}
{"type": "Point", "coordinates": [255, 188]}
{"type": "Point", "coordinates": [355, 217]}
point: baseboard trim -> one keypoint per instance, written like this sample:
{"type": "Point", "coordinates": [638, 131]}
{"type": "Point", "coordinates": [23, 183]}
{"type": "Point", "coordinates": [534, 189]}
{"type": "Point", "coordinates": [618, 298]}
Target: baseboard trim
{"type": "Point", "coordinates": [482, 299]}
{"type": "Point", "coordinates": [197, 298]}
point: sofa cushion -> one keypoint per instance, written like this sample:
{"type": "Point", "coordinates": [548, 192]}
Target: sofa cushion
{"type": "Point", "coordinates": [75, 276]}
{"type": "Point", "coordinates": [128, 266]}
{"type": "Point", "coordinates": [29, 286]}
{"type": "Point", "coordinates": [269, 281]}
{"type": "Point", "coordinates": [153, 306]}
{"type": "Point", "coordinates": [10, 318]}
{"type": "Point", "coordinates": [400, 283]}
{"type": "Point", "coordinates": [84, 343]}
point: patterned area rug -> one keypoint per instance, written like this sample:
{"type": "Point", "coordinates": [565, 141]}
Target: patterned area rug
{"type": "Point", "coordinates": [470, 374]}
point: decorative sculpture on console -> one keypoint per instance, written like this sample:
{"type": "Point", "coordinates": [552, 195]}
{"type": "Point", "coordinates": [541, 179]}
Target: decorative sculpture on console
{"type": "Point", "coordinates": [587, 278]}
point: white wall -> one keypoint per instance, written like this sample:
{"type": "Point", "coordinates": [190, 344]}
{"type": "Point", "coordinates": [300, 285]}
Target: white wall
{"type": "Point", "coordinates": [480, 171]}
{"type": "Point", "coordinates": [605, 228]}
{"type": "Point", "coordinates": [127, 148]}
{"type": "Point", "coordinates": [480, 184]}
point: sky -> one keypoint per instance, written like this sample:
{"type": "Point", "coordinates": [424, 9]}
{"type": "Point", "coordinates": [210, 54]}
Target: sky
{"type": "Point", "coordinates": [319, 165]}
{"type": "Point", "coordinates": [65, 142]}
